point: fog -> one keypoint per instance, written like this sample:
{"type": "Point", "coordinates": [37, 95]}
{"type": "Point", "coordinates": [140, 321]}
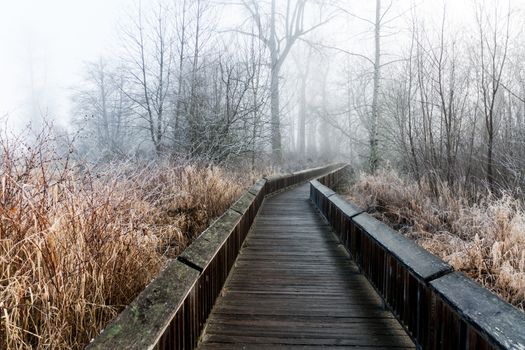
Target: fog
{"type": "Point", "coordinates": [45, 45]}
{"type": "Point", "coordinates": [205, 78]}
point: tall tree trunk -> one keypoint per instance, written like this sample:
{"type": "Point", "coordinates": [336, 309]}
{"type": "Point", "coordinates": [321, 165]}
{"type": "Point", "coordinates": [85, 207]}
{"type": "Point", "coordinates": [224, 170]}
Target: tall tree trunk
{"type": "Point", "coordinates": [326, 145]}
{"type": "Point", "coordinates": [276, 122]}
{"type": "Point", "coordinates": [311, 144]}
{"type": "Point", "coordinates": [178, 105]}
{"type": "Point", "coordinates": [302, 118]}
{"type": "Point", "coordinates": [490, 148]}
{"type": "Point", "coordinates": [103, 99]}
{"type": "Point", "coordinates": [374, 142]}
{"type": "Point", "coordinates": [304, 70]}
{"type": "Point", "coordinates": [193, 109]}
{"type": "Point", "coordinates": [274, 86]}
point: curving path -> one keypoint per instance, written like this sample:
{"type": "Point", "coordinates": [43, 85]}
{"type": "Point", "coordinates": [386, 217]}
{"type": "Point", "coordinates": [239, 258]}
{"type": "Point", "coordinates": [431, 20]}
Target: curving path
{"type": "Point", "coordinates": [294, 287]}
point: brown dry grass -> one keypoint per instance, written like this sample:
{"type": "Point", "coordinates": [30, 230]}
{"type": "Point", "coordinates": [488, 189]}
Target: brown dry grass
{"type": "Point", "coordinates": [77, 245]}
{"type": "Point", "coordinates": [485, 239]}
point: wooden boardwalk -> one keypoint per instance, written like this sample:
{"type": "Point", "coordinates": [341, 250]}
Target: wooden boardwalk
{"type": "Point", "coordinates": [293, 287]}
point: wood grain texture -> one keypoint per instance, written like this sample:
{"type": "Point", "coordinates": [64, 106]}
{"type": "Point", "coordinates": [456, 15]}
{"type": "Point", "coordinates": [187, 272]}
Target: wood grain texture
{"type": "Point", "coordinates": [485, 312]}
{"type": "Point", "coordinates": [293, 286]}
{"type": "Point", "coordinates": [144, 321]}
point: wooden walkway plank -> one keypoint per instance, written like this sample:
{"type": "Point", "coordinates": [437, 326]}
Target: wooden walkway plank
{"type": "Point", "coordinates": [293, 287]}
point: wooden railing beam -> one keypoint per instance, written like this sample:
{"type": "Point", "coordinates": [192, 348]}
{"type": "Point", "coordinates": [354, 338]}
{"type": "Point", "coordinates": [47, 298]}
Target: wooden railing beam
{"type": "Point", "coordinates": [439, 308]}
{"type": "Point", "coordinates": [145, 320]}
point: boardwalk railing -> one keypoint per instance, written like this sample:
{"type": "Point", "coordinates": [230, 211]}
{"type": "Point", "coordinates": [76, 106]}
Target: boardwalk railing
{"type": "Point", "coordinates": [171, 311]}
{"type": "Point", "coordinates": [439, 308]}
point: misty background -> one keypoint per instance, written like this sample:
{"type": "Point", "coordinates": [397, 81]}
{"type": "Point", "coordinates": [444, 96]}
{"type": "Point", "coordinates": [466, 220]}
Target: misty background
{"type": "Point", "coordinates": [427, 85]}
{"type": "Point", "coordinates": [47, 44]}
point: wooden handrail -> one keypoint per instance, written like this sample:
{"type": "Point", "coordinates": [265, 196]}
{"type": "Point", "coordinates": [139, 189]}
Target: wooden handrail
{"type": "Point", "coordinates": [171, 312]}
{"type": "Point", "coordinates": [440, 308]}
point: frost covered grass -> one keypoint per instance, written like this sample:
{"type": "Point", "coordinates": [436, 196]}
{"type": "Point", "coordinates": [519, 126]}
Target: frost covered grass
{"type": "Point", "coordinates": [79, 243]}
{"type": "Point", "coordinates": [484, 237]}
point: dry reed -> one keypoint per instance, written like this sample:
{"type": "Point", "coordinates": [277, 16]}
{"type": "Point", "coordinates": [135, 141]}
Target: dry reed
{"type": "Point", "coordinates": [78, 244]}
{"type": "Point", "coordinates": [484, 239]}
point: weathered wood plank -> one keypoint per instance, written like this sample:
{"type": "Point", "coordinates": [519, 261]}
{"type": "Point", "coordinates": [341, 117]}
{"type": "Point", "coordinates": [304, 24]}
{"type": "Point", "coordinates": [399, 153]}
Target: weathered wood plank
{"type": "Point", "coordinates": [242, 205]}
{"type": "Point", "coordinates": [202, 250]}
{"type": "Point", "coordinates": [256, 188]}
{"type": "Point", "coordinates": [245, 346]}
{"type": "Point", "coordinates": [143, 322]}
{"type": "Point", "coordinates": [490, 316]}
{"type": "Point", "coordinates": [346, 207]}
{"type": "Point", "coordinates": [327, 192]}
{"type": "Point", "coordinates": [392, 341]}
{"type": "Point", "coordinates": [292, 285]}
{"type": "Point", "coordinates": [422, 263]}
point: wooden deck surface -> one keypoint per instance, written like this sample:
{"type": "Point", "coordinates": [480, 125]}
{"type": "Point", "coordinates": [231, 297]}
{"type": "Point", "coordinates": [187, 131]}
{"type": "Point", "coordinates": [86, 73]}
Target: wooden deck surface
{"type": "Point", "coordinates": [293, 287]}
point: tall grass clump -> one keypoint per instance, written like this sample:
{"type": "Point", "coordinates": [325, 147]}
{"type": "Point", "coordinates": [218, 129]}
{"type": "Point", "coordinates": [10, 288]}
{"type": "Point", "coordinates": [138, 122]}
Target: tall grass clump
{"type": "Point", "coordinates": [483, 236]}
{"type": "Point", "coordinates": [78, 242]}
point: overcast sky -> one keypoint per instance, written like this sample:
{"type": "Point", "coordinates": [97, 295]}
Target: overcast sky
{"type": "Point", "coordinates": [47, 42]}
{"type": "Point", "coordinates": [52, 39]}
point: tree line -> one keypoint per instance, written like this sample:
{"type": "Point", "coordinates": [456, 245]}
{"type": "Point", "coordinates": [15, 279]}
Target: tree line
{"type": "Point", "coordinates": [441, 101]}
{"type": "Point", "coordinates": [185, 84]}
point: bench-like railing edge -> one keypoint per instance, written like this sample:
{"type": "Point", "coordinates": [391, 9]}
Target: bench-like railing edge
{"type": "Point", "coordinates": [162, 299]}
{"type": "Point", "coordinates": [479, 313]}
{"type": "Point", "coordinates": [171, 311]}
{"type": "Point", "coordinates": [440, 308]}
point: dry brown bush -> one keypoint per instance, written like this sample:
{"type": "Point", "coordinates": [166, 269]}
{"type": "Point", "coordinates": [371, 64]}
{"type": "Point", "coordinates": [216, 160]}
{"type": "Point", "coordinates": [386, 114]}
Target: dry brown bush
{"type": "Point", "coordinates": [484, 238]}
{"type": "Point", "coordinates": [77, 244]}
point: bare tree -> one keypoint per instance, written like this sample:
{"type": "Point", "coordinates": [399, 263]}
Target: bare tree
{"type": "Point", "coordinates": [149, 45]}
{"type": "Point", "coordinates": [285, 25]}
{"type": "Point", "coordinates": [491, 60]}
{"type": "Point", "coordinates": [181, 42]}
{"type": "Point", "coordinates": [303, 63]}
{"type": "Point", "coordinates": [374, 120]}
{"type": "Point", "coordinates": [104, 108]}
{"type": "Point", "coordinates": [374, 150]}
